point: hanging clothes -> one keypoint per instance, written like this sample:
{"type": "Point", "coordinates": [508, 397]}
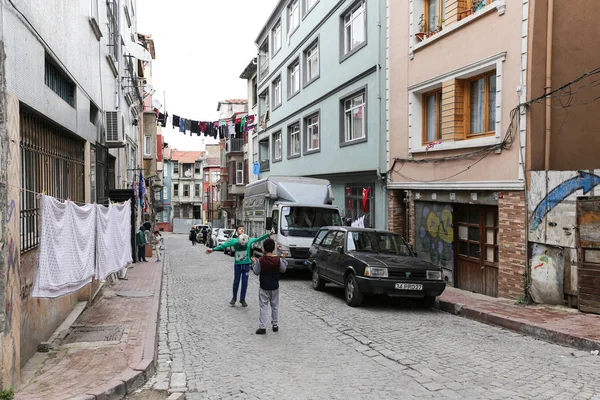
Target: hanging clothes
{"type": "Point", "coordinates": [195, 127]}
{"type": "Point", "coordinates": [188, 125]}
{"type": "Point", "coordinates": [202, 127]}
{"type": "Point", "coordinates": [243, 123]}
{"type": "Point", "coordinates": [182, 125]}
{"type": "Point", "coordinates": [256, 168]}
{"type": "Point", "coordinates": [230, 128]}
{"type": "Point", "coordinates": [175, 121]}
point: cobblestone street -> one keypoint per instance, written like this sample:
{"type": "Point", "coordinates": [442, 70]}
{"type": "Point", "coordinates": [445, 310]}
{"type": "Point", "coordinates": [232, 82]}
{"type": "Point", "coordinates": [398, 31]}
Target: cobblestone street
{"type": "Point", "coordinates": [325, 349]}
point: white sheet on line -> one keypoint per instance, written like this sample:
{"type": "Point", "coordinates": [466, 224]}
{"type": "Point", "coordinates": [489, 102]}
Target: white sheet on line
{"type": "Point", "coordinates": [66, 249]}
{"type": "Point", "coordinates": [113, 232]}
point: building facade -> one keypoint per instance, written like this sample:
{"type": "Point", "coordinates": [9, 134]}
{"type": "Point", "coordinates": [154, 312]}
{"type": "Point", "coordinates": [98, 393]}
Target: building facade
{"type": "Point", "coordinates": [250, 75]}
{"type": "Point", "coordinates": [321, 89]}
{"type": "Point", "coordinates": [186, 184]}
{"type": "Point", "coordinates": [212, 192]}
{"type": "Point", "coordinates": [457, 138]}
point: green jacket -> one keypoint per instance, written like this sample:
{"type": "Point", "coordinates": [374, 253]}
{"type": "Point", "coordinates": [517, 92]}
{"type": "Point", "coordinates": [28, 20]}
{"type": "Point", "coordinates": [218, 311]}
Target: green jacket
{"type": "Point", "coordinates": [242, 252]}
{"type": "Point", "coordinates": [140, 238]}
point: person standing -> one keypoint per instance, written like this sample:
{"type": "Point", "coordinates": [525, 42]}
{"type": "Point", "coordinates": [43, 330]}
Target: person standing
{"type": "Point", "coordinates": [241, 247]}
{"type": "Point", "coordinates": [158, 244]}
{"type": "Point", "coordinates": [193, 236]}
{"type": "Point", "coordinates": [140, 241]}
{"type": "Point", "coordinates": [269, 268]}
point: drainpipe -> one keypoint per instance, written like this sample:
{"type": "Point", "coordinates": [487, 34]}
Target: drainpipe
{"type": "Point", "coordinates": [549, 30]}
{"type": "Point", "coordinates": [379, 99]}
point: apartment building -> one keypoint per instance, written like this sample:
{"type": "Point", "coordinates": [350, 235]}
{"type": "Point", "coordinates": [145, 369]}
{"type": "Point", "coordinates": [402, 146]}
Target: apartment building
{"type": "Point", "coordinates": [320, 99]}
{"type": "Point", "coordinates": [186, 184]}
{"type": "Point", "coordinates": [212, 177]}
{"type": "Point", "coordinates": [457, 74]}
{"type": "Point", "coordinates": [250, 75]}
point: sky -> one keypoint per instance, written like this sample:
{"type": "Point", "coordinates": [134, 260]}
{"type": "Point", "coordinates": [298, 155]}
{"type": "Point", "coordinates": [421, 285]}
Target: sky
{"type": "Point", "coordinates": [202, 47]}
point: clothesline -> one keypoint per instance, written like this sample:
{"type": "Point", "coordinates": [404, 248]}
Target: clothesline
{"type": "Point", "coordinates": [38, 194]}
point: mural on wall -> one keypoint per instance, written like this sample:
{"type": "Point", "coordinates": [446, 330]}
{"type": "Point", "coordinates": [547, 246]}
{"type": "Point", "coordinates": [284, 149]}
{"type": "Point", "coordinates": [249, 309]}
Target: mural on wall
{"type": "Point", "coordinates": [435, 235]}
{"type": "Point", "coordinates": [552, 200]}
{"type": "Point", "coordinates": [547, 274]}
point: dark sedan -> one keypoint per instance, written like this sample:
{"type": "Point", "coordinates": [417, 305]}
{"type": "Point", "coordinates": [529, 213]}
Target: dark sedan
{"type": "Point", "coordinates": [372, 261]}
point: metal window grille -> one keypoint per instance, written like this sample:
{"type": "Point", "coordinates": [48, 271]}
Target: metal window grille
{"type": "Point", "coordinates": [51, 162]}
{"type": "Point", "coordinates": [113, 28]}
{"type": "Point", "coordinates": [56, 80]}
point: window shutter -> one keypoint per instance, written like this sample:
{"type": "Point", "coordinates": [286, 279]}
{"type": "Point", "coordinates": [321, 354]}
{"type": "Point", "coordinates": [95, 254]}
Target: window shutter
{"type": "Point", "coordinates": [246, 173]}
{"type": "Point", "coordinates": [453, 110]}
{"type": "Point", "coordinates": [232, 172]}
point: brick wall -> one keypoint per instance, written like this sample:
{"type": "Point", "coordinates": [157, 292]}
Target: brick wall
{"type": "Point", "coordinates": [396, 212]}
{"type": "Point", "coordinates": [512, 245]}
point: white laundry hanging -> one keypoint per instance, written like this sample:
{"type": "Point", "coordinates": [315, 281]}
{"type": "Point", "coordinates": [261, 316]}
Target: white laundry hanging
{"type": "Point", "coordinates": [113, 232]}
{"type": "Point", "coordinates": [67, 248]}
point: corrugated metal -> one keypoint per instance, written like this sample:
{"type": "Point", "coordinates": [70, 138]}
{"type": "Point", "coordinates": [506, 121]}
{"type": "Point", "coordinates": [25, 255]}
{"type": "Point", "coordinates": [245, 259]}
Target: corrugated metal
{"type": "Point", "coordinates": [184, 225]}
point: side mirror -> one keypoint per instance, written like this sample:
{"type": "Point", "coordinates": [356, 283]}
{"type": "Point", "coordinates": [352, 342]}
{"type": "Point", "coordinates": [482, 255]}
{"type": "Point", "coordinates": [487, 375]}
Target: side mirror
{"type": "Point", "coordinates": [269, 223]}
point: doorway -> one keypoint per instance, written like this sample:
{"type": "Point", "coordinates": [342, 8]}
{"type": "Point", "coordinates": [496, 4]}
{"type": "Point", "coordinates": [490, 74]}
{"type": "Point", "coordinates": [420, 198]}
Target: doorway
{"type": "Point", "coordinates": [476, 247]}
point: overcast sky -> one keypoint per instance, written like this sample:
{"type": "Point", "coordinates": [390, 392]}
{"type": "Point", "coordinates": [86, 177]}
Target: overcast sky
{"type": "Point", "coordinates": [202, 47]}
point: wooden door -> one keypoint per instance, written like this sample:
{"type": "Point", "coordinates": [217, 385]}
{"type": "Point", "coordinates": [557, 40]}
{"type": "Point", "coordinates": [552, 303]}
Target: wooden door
{"type": "Point", "coordinates": [588, 248]}
{"type": "Point", "coordinates": [476, 247]}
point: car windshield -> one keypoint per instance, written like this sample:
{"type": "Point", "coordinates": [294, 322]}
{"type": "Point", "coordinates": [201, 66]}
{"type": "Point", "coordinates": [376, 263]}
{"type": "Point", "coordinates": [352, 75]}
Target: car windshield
{"type": "Point", "coordinates": [306, 221]}
{"type": "Point", "coordinates": [379, 242]}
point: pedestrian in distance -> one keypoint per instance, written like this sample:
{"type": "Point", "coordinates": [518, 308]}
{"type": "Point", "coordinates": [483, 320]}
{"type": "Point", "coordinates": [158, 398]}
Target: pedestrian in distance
{"type": "Point", "coordinates": [269, 269]}
{"type": "Point", "coordinates": [242, 245]}
{"type": "Point", "coordinates": [140, 241]}
{"type": "Point", "coordinates": [157, 243]}
{"type": "Point", "coordinates": [193, 236]}
{"type": "Point", "coordinates": [204, 235]}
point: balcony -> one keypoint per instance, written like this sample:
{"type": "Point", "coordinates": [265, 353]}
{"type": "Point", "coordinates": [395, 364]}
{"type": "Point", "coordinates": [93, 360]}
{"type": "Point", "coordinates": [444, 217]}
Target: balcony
{"type": "Point", "coordinates": [235, 145]}
{"type": "Point", "coordinates": [264, 165]}
{"type": "Point", "coordinates": [236, 190]}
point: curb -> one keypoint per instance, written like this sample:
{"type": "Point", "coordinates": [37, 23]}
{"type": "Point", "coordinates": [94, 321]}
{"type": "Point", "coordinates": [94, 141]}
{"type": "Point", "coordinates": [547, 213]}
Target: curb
{"type": "Point", "coordinates": [134, 378]}
{"type": "Point", "coordinates": [524, 328]}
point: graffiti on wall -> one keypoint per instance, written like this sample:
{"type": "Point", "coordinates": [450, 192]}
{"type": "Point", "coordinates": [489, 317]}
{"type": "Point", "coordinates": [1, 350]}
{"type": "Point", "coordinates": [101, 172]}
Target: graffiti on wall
{"type": "Point", "coordinates": [552, 200]}
{"type": "Point", "coordinates": [435, 234]}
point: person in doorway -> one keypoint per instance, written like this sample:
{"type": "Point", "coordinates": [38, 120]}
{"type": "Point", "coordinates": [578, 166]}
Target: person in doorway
{"type": "Point", "coordinates": [140, 241]}
{"type": "Point", "coordinates": [269, 267]}
{"type": "Point", "coordinates": [157, 243]}
{"type": "Point", "coordinates": [193, 236]}
{"type": "Point", "coordinates": [242, 245]}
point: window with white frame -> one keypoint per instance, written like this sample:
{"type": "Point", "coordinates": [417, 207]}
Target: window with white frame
{"type": "Point", "coordinates": [197, 168]}
{"type": "Point", "coordinates": [277, 147]}
{"type": "Point", "coordinates": [263, 59]}
{"type": "Point", "coordinates": [481, 118]}
{"type": "Point", "coordinates": [311, 64]}
{"type": "Point", "coordinates": [308, 5]}
{"type": "Point", "coordinates": [175, 189]}
{"type": "Point", "coordinates": [312, 133]}
{"type": "Point", "coordinates": [239, 172]}
{"type": "Point", "coordinates": [176, 167]}
{"type": "Point", "coordinates": [354, 117]}
{"type": "Point", "coordinates": [147, 146]}
{"type": "Point", "coordinates": [197, 192]}
{"type": "Point", "coordinates": [294, 140]}
{"type": "Point", "coordinates": [432, 111]}
{"type": "Point", "coordinates": [276, 37]}
{"type": "Point", "coordinates": [277, 95]}
{"type": "Point", "coordinates": [186, 190]}
{"type": "Point", "coordinates": [263, 104]}
{"type": "Point", "coordinates": [255, 149]}
{"type": "Point", "coordinates": [293, 12]}
{"type": "Point", "coordinates": [294, 78]}
{"type": "Point", "coordinates": [355, 24]}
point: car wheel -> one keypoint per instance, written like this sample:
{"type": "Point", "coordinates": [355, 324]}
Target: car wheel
{"type": "Point", "coordinates": [427, 302]}
{"type": "Point", "coordinates": [317, 282]}
{"type": "Point", "coordinates": [354, 296]}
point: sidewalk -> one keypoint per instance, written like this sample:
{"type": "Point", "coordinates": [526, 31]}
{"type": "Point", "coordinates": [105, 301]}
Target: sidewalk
{"type": "Point", "coordinates": [561, 325]}
{"type": "Point", "coordinates": [108, 363]}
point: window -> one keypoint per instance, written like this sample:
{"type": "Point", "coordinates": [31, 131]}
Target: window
{"type": "Point", "coordinates": [186, 190]}
{"type": "Point", "coordinates": [276, 37]}
{"type": "Point", "coordinates": [255, 149]}
{"type": "Point", "coordinates": [264, 105]}
{"type": "Point", "coordinates": [197, 168]}
{"type": "Point", "coordinates": [254, 92]}
{"type": "Point", "coordinates": [239, 172]}
{"type": "Point", "coordinates": [294, 78]}
{"type": "Point", "coordinates": [276, 92]}
{"type": "Point", "coordinates": [165, 193]}
{"type": "Point", "coordinates": [263, 59]}
{"type": "Point", "coordinates": [214, 176]}
{"type": "Point", "coordinates": [311, 63]}
{"type": "Point", "coordinates": [432, 116]}
{"type": "Point", "coordinates": [147, 146]}
{"type": "Point", "coordinates": [308, 5]}
{"type": "Point", "coordinates": [277, 146]}
{"type": "Point", "coordinates": [481, 104]}
{"type": "Point", "coordinates": [354, 118]}
{"type": "Point", "coordinates": [293, 16]}
{"type": "Point", "coordinates": [354, 28]}
{"type": "Point", "coordinates": [93, 113]}
{"type": "Point", "coordinates": [187, 170]}
{"type": "Point", "coordinates": [312, 133]}
{"type": "Point", "coordinates": [60, 84]}
{"type": "Point", "coordinates": [197, 191]}
{"type": "Point", "coordinates": [176, 168]}
{"type": "Point", "coordinates": [112, 12]}
{"type": "Point", "coordinates": [294, 140]}
{"type": "Point", "coordinates": [434, 15]}
{"type": "Point", "coordinates": [176, 189]}
{"type": "Point", "coordinates": [354, 203]}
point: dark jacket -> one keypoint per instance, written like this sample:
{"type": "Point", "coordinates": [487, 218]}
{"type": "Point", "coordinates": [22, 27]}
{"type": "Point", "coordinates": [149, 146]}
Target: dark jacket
{"type": "Point", "coordinates": [270, 268]}
{"type": "Point", "coordinates": [193, 234]}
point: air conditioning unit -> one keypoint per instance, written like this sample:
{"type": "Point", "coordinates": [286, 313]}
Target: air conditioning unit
{"type": "Point", "coordinates": [114, 123]}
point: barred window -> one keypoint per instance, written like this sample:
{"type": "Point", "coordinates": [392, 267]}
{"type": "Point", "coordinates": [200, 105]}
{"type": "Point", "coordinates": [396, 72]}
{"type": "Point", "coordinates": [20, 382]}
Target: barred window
{"type": "Point", "coordinates": [58, 81]}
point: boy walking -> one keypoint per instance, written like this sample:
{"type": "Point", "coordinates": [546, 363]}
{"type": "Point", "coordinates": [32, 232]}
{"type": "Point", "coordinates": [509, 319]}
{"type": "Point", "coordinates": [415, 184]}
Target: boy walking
{"type": "Point", "coordinates": [269, 267]}
{"type": "Point", "coordinates": [241, 247]}
{"type": "Point", "coordinates": [140, 240]}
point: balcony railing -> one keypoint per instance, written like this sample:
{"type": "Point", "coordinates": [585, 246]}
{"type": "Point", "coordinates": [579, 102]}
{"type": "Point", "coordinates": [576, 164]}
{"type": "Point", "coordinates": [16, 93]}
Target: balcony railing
{"type": "Point", "coordinates": [235, 145]}
{"type": "Point", "coordinates": [264, 165]}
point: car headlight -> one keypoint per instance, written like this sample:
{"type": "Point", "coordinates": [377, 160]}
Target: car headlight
{"type": "Point", "coordinates": [376, 272]}
{"type": "Point", "coordinates": [434, 275]}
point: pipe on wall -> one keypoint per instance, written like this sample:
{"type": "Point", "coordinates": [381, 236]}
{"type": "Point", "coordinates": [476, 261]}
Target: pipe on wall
{"type": "Point", "coordinates": [549, 30]}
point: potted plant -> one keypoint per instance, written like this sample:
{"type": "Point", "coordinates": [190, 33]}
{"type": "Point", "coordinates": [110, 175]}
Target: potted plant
{"type": "Point", "coordinates": [477, 5]}
{"type": "Point", "coordinates": [421, 34]}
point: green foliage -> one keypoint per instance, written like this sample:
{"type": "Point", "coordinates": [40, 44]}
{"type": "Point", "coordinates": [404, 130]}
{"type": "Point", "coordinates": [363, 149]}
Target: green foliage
{"type": "Point", "coordinates": [7, 394]}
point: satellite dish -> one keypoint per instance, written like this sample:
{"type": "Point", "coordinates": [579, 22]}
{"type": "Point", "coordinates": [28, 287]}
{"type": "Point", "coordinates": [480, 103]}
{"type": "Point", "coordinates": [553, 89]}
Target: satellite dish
{"type": "Point", "coordinates": [156, 104]}
{"type": "Point", "coordinates": [188, 173]}
{"type": "Point", "coordinates": [148, 88]}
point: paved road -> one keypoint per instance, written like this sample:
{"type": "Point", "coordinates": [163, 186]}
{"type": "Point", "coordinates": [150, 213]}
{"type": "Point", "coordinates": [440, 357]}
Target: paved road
{"type": "Point", "coordinates": [327, 350]}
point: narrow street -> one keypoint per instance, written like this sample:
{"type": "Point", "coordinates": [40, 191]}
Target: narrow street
{"type": "Point", "coordinates": [325, 349]}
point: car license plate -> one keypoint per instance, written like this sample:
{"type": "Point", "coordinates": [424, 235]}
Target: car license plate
{"type": "Point", "coordinates": [409, 286]}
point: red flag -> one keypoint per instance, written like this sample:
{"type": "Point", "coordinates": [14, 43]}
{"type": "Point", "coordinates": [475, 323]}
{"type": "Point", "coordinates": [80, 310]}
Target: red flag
{"type": "Point", "coordinates": [365, 197]}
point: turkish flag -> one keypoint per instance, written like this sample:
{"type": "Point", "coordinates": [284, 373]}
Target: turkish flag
{"type": "Point", "coordinates": [365, 197]}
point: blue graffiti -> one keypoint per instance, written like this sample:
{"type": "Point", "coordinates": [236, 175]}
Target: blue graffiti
{"type": "Point", "coordinates": [584, 180]}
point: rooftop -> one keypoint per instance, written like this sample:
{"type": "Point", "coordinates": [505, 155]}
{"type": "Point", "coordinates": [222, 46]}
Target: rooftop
{"type": "Point", "coordinates": [186, 157]}
{"type": "Point", "coordinates": [232, 101]}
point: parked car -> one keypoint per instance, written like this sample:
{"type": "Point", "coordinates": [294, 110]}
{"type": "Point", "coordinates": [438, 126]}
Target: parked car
{"type": "Point", "coordinates": [199, 232]}
{"type": "Point", "coordinates": [372, 261]}
{"type": "Point", "coordinates": [212, 237]}
{"type": "Point", "coordinates": [223, 236]}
